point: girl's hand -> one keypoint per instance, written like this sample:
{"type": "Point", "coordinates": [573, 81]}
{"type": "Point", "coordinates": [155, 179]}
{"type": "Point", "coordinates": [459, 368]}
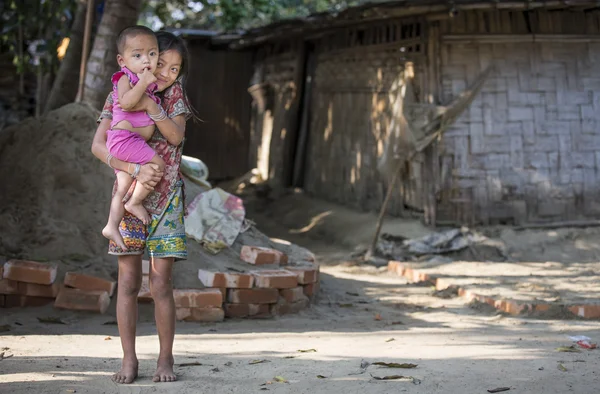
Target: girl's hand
{"type": "Point", "coordinates": [149, 175]}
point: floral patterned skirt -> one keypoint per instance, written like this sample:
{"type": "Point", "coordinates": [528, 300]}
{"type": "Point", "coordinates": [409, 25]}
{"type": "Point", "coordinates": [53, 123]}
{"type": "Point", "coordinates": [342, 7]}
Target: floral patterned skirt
{"type": "Point", "coordinates": [165, 236]}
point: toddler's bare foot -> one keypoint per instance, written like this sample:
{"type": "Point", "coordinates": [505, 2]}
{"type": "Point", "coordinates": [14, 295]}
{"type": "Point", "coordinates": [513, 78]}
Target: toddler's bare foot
{"type": "Point", "coordinates": [164, 371]}
{"type": "Point", "coordinates": [128, 372]}
{"type": "Point", "coordinates": [114, 235]}
{"type": "Point", "coordinates": [138, 211]}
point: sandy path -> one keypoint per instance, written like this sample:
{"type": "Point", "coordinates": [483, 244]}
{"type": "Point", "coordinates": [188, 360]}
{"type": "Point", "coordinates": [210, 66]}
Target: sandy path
{"type": "Point", "coordinates": [458, 350]}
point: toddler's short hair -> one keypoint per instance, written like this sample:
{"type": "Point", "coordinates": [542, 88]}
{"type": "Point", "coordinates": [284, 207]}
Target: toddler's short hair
{"type": "Point", "coordinates": [130, 32]}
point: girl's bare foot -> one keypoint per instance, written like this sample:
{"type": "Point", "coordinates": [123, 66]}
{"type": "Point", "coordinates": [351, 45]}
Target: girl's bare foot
{"type": "Point", "coordinates": [138, 211]}
{"type": "Point", "coordinates": [128, 372]}
{"type": "Point", "coordinates": [114, 235]}
{"type": "Point", "coordinates": [164, 371]}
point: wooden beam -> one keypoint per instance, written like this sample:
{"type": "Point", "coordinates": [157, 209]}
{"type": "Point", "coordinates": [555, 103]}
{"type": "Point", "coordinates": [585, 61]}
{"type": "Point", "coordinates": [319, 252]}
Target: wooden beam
{"type": "Point", "coordinates": [517, 38]}
{"type": "Point", "coordinates": [86, 49]}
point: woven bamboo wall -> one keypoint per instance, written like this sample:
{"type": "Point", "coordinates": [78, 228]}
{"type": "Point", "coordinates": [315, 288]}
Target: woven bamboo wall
{"type": "Point", "coordinates": [526, 150]}
{"type": "Point", "coordinates": [350, 115]}
{"type": "Point", "coordinates": [529, 147]}
{"type": "Point", "coordinates": [349, 124]}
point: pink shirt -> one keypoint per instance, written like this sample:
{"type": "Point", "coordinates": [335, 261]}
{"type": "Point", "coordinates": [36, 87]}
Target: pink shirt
{"type": "Point", "coordinates": [136, 118]}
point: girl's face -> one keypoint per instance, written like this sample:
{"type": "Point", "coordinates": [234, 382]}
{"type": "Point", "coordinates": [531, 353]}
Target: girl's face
{"type": "Point", "coordinates": [167, 69]}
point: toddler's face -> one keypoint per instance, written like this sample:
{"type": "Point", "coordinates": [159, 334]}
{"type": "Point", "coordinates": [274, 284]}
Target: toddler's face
{"type": "Point", "coordinates": [141, 52]}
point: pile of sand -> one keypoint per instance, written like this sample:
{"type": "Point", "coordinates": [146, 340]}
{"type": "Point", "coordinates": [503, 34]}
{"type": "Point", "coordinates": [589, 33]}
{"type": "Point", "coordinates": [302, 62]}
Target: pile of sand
{"type": "Point", "coordinates": [55, 193]}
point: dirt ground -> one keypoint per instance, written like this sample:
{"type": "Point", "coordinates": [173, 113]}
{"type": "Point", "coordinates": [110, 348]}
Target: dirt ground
{"type": "Point", "coordinates": [457, 349]}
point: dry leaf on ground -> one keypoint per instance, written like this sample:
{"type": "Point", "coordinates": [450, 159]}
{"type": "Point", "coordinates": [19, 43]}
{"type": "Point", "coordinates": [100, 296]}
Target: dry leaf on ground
{"type": "Point", "coordinates": [396, 365]}
{"type": "Point", "coordinates": [258, 362]}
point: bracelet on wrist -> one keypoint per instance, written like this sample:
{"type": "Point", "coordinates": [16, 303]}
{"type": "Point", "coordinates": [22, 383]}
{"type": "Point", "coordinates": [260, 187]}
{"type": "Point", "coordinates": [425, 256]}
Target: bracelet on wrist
{"type": "Point", "coordinates": [108, 159]}
{"type": "Point", "coordinates": [136, 171]}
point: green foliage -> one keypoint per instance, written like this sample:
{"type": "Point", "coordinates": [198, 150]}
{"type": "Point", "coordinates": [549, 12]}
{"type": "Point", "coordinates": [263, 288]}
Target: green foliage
{"type": "Point", "coordinates": [232, 14]}
{"type": "Point", "coordinates": [35, 24]}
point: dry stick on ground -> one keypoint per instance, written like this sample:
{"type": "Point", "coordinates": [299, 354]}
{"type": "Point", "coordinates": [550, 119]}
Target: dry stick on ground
{"type": "Point", "coordinates": [567, 223]}
{"type": "Point", "coordinates": [433, 131]}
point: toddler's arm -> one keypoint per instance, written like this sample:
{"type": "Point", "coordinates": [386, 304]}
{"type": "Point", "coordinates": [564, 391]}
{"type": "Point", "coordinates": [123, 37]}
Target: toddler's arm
{"type": "Point", "coordinates": [130, 96]}
{"type": "Point", "coordinates": [149, 173]}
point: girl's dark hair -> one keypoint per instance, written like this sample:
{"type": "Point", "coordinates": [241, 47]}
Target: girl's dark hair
{"type": "Point", "coordinates": [169, 41]}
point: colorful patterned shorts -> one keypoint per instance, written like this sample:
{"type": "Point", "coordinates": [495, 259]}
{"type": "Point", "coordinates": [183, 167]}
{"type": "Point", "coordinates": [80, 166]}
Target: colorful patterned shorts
{"type": "Point", "coordinates": [165, 236]}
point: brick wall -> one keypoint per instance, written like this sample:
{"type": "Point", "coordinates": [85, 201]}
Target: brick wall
{"type": "Point", "coordinates": [528, 149]}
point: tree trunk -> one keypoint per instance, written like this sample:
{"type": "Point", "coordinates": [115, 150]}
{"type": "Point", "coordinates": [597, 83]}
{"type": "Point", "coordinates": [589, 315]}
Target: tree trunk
{"type": "Point", "coordinates": [64, 88]}
{"type": "Point", "coordinates": [118, 14]}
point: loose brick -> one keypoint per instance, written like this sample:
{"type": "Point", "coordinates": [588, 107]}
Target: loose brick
{"type": "Point", "coordinates": [247, 310]}
{"type": "Point", "coordinates": [223, 291]}
{"type": "Point", "coordinates": [35, 290]}
{"type": "Point", "coordinates": [88, 282]}
{"type": "Point", "coordinates": [15, 300]}
{"type": "Point", "coordinates": [30, 272]}
{"type": "Point", "coordinates": [283, 308]}
{"type": "Point", "coordinates": [225, 279]}
{"type": "Point", "coordinates": [144, 295]}
{"type": "Point", "coordinates": [252, 296]}
{"type": "Point", "coordinates": [8, 286]}
{"type": "Point", "coordinates": [259, 310]}
{"type": "Point", "coordinates": [200, 314]}
{"type": "Point", "coordinates": [305, 275]}
{"type": "Point", "coordinates": [312, 289]}
{"type": "Point", "coordinates": [197, 298]}
{"type": "Point", "coordinates": [183, 313]}
{"type": "Point", "coordinates": [237, 310]}
{"type": "Point", "coordinates": [276, 279]}
{"type": "Point", "coordinates": [293, 294]}
{"type": "Point", "coordinates": [257, 255]}
{"type": "Point", "coordinates": [82, 300]}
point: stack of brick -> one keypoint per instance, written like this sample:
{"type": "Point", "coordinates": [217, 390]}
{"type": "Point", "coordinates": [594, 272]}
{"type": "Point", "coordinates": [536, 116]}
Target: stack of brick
{"type": "Point", "coordinates": [30, 283]}
{"type": "Point", "coordinates": [265, 292]}
{"type": "Point", "coordinates": [199, 305]}
{"type": "Point", "coordinates": [85, 293]}
{"type": "Point", "coordinates": [204, 305]}
{"type": "Point", "coordinates": [27, 283]}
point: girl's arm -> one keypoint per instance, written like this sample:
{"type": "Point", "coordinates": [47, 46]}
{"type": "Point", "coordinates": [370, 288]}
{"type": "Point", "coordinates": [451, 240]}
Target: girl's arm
{"type": "Point", "coordinates": [172, 129]}
{"type": "Point", "coordinates": [149, 174]}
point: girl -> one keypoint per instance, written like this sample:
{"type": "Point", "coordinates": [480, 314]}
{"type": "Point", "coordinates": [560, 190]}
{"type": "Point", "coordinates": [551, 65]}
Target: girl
{"type": "Point", "coordinates": [126, 140]}
{"type": "Point", "coordinates": [164, 238]}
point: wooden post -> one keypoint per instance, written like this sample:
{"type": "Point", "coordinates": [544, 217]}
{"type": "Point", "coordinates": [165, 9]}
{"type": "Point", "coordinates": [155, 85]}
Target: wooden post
{"type": "Point", "coordinates": [86, 49]}
{"type": "Point", "coordinates": [388, 196]}
{"type": "Point", "coordinates": [22, 61]}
